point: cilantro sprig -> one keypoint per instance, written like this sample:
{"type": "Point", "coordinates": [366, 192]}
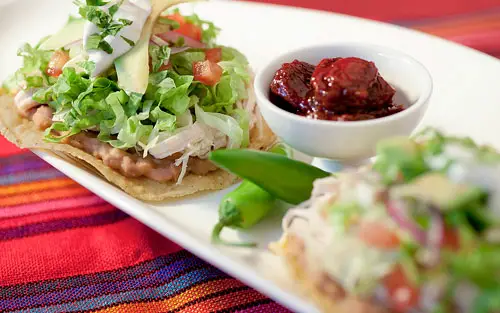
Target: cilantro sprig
{"type": "Point", "coordinates": [92, 10]}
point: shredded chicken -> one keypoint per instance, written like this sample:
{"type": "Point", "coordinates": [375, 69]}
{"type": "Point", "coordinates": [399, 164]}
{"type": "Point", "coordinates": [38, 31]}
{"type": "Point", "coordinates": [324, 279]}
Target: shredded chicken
{"type": "Point", "coordinates": [43, 117]}
{"type": "Point", "coordinates": [24, 102]}
{"type": "Point", "coordinates": [197, 140]}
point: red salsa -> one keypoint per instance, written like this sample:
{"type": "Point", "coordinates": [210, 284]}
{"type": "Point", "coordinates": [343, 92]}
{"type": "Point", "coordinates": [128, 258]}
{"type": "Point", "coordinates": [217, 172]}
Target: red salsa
{"type": "Point", "coordinates": [337, 89]}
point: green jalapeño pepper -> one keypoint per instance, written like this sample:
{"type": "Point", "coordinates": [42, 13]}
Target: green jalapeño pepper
{"type": "Point", "coordinates": [284, 178]}
{"type": "Point", "coordinates": [245, 206]}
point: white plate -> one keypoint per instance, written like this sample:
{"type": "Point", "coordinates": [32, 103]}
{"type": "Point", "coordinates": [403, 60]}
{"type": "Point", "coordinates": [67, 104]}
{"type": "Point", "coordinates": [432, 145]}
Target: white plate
{"type": "Point", "coordinates": [466, 101]}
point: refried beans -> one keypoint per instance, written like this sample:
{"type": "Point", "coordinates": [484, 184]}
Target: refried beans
{"type": "Point", "coordinates": [127, 163]}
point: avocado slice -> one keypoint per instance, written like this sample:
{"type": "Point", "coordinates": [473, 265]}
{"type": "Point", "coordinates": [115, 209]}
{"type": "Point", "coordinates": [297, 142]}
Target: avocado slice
{"type": "Point", "coordinates": [132, 68]}
{"type": "Point", "coordinates": [71, 32]}
{"type": "Point", "coordinates": [434, 188]}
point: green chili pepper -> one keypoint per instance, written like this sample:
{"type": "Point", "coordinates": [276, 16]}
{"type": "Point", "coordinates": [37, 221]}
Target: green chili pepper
{"type": "Point", "coordinates": [286, 179]}
{"type": "Point", "coordinates": [245, 206]}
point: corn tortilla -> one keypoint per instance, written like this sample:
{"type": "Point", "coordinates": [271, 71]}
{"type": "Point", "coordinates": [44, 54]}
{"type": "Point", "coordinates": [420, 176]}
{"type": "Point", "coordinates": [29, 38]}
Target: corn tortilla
{"type": "Point", "coordinates": [292, 250]}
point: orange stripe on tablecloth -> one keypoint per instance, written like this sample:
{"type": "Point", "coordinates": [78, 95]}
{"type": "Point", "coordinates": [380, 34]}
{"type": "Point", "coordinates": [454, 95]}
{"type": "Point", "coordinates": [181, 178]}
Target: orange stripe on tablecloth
{"type": "Point", "coordinates": [42, 217]}
{"type": "Point", "coordinates": [36, 186]}
{"type": "Point", "coordinates": [461, 26]}
{"type": "Point", "coordinates": [44, 196]}
{"type": "Point", "coordinates": [203, 290]}
{"type": "Point", "coordinates": [225, 301]}
{"type": "Point", "coordinates": [460, 20]}
{"type": "Point", "coordinates": [487, 41]}
{"type": "Point", "coordinates": [80, 251]}
{"type": "Point", "coordinates": [175, 302]}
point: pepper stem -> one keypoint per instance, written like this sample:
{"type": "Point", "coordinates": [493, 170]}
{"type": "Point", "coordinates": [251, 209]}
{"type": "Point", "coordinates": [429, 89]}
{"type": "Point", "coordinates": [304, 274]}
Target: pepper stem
{"type": "Point", "coordinates": [216, 231]}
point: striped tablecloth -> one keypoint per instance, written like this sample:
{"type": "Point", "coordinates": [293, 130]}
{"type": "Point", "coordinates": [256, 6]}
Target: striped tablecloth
{"type": "Point", "coordinates": [63, 249]}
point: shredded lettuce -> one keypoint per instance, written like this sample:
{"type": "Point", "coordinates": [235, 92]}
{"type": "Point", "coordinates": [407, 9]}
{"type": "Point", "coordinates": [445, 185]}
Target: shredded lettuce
{"type": "Point", "coordinates": [69, 87]}
{"type": "Point", "coordinates": [159, 55]}
{"type": "Point", "coordinates": [116, 101]}
{"type": "Point", "coordinates": [163, 120]}
{"type": "Point", "coordinates": [132, 106]}
{"type": "Point", "coordinates": [487, 301]}
{"type": "Point", "coordinates": [183, 62]}
{"type": "Point", "coordinates": [244, 121]}
{"type": "Point", "coordinates": [173, 101]}
{"type": "Point", "coordinates": [469, 255]}
{"type": "Point", "coordinates": [133, 131]}
{"type": "Point", "coordinates": [32, 73]}
{"type": "Point", "coordinates": [43, 95]}
{"type": "Point", "coordinates": [156, 78]}
{"type": "Point", "coordinates": [479, 266]}
{"type": "Point", "coordinates": [87, 66]}
{"type": "Point", "coordinates": [146, 108]}
{"type": "Point", "coordinates": [50, 136]}
{"type": "Point", "coordinates": [399, 159]}
{"type": "Point", "coordinates": [172, 93]}
{"type": "Point", "coordinates": [231, 54]}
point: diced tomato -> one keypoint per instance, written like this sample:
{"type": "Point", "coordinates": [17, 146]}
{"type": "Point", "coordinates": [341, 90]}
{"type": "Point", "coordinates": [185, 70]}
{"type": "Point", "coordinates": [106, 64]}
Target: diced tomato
{"type": "Point", "coordinates": [165, 67]}
{"type": "Point", "coordinates": [176, 17]}
{"type": "Point", "coordinates": [56, 63]}
{"type": "Point", "coordinates": [207, 72]}
{"type": "Point", "coordinates": [189, 30]}
{"type": "Point", "coordinates": [378, 235]}
{"type": "Point", "coordinates": [451, 239]}
{"type": "Point", "coordinates": [213, 55]}
{"type": "Point", "coordinates": [185, 28]}
{"type": "Point", "coordinates": [403, 295]}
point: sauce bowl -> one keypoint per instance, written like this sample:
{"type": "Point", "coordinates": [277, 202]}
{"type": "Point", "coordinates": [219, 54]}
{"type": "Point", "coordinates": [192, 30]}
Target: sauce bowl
{"type": "Point", "coordinates": [348, 142]}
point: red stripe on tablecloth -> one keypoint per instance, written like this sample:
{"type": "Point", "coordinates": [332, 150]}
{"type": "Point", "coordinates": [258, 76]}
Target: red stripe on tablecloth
{"type": "Point", "coordinates": [80, 251]}
{"type": "Point", "coordinates": [50, 216]}
{"type": "Point", "coordinates": [8, 148]}
{"type": "Point", "coordinates": [45, 206]}
{"type": "Point", "coordinates": [392, 10]}
{"type": "Point", "coordinates": [481, 32]}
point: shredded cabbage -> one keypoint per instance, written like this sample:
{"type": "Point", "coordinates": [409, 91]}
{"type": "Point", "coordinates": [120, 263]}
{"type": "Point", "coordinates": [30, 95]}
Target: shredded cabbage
{"type": "Point", "coordinates": [226, 124]}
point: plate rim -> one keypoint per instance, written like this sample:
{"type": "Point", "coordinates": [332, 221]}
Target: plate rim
{"type": "Point", "coordinates": [152, 218]}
